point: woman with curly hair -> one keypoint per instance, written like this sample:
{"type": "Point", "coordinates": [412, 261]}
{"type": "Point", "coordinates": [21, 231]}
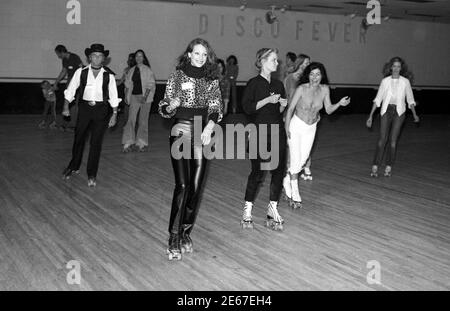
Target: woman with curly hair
{"type": "Point", "coordinates": [312, 94]}
{"type": "Point", "coordinates": [192, 91]}
{"type": "Point", "coordinates": [394, 89]}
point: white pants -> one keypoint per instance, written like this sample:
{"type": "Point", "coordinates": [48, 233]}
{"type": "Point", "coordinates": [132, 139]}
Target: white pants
{"type": "Point", "coordinates": [300, 143]}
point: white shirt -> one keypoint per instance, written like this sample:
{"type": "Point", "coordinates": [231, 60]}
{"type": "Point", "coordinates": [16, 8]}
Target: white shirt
{"type": "Point", "coordinates": [394, 91]}
{"type": "Point", "coordinates": [94, 87]}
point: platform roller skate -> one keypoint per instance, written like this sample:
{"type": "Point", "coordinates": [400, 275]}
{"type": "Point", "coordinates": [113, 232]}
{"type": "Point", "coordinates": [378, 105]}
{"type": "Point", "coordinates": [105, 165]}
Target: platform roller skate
{"type": "Point", "coordinates": [374, 172]}
{"type": "Point", "coordinates": [173, 250]}
{"type": "Point", "coordinates": [296, 200]}
{"type": "Point", "coordinates": [388, 171]}
{"type": "Point", "coordinates": [287, 192]}
{"type": "Point", "coordinates": [306, 174]}
{"type": "Point", "coordinates": [186, 241]}
{"type": "Point", "coordinates": [274, 220]}
{"type": "Point", "coordinates": [247, 222]}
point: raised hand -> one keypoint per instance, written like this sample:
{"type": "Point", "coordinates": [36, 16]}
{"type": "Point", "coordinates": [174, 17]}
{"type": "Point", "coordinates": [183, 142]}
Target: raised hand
{"type": "Point", "coordinates": [344, 101]}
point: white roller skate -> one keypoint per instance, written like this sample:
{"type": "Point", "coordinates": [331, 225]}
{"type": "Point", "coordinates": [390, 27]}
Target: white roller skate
{"type": "Point", "coordinates": [374, 172]}
{"type": "Point", "coordinates": [173, 250]}
{"type": "Point", "coordinates": [306, 174]}
{"type": "Point", "coordinates": [296, 199]}
{"type": "Point", "coordinates": [287, 192]}
{"type": "Point", "coordinates": [274, 220]}
{"type": "Point", "coordinates": [247, 222]}
{"type": "Point", "coordinates": [186, 244]}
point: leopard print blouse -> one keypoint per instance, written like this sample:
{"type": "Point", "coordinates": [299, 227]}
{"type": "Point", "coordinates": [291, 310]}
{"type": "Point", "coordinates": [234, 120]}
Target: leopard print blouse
{"type": "Point", "coordinates": [198, 94]}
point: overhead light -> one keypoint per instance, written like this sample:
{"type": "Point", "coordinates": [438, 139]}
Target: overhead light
{"type": "Point", "coordinates": [270, 15]}
{"type": "Point", "coordinates": [386, 18]}
{"type": "Point", "coordinates": [242, 7]}
{"type": "Point", "coordinates": [352, 15]}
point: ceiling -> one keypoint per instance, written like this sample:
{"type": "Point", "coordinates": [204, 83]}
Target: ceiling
{"type": "Point", "coordinates": [437, 11]}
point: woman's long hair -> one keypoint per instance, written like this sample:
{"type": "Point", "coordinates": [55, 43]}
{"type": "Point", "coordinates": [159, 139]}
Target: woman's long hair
{"type": "Point", "coordinates": [220, 61]}
{"type": "Point", "coordinates": [131, 61]}
{"type": "Point", "coordinates": [314, 65]}
{"type": "Point", "coordinates": [300, 60]}
{"type": "Point", "coordinates": [145, 62]}
{"type": "Point", "coordinates": [404, 71]}
{"type": "Point", "coordinates": [210, 65]}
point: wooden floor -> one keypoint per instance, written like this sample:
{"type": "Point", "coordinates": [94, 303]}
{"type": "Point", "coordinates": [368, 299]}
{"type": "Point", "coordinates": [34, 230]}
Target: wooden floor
{"type": "Point", "coordinates": [118, 230]}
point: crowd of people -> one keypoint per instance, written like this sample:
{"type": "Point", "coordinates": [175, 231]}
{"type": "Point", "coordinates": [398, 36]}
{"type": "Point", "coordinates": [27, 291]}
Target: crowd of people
{"type": "Point", "coordinates": [204, 87]}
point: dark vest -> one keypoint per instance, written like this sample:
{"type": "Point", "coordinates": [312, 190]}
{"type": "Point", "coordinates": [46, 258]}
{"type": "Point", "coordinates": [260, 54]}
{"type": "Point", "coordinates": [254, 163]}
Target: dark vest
{"type": "Point", "coordinates": [83, 82]}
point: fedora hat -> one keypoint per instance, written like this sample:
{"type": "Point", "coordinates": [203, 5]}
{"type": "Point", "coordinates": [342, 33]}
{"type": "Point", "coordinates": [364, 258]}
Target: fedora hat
{"type": "Point", "coordinates": [96, 47]}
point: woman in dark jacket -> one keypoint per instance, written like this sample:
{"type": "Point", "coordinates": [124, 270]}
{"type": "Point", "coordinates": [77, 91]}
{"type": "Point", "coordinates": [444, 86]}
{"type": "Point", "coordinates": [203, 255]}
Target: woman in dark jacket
{"type": "Point", "coordinates": [264, 101]}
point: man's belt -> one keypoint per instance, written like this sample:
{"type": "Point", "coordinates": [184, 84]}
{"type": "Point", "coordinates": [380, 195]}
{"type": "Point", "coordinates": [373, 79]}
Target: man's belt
{"type": "Point", "coordinates": [92, 102]}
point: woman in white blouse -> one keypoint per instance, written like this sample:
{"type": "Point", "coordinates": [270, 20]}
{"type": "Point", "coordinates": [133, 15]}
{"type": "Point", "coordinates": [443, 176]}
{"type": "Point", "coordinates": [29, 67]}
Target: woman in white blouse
{"type": "Point", "coordinates": [393, 91]}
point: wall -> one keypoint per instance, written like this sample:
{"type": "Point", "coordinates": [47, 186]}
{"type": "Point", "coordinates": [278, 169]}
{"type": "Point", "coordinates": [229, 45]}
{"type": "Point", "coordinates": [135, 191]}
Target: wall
{"type": "Point", "coordinates": [30, 29]}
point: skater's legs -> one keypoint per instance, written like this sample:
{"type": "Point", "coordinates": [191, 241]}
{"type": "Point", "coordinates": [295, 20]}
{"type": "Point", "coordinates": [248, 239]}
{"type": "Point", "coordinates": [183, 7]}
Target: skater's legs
{"type": "Point", "coordinates": [385, 124]}
{"type": "Point", "coordinates": [397, 124]}
{"type": "Point", "coordinates": [197, 174]}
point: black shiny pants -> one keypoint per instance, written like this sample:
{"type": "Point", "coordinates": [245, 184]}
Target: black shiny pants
{"type": "Point", "coordinates": [189, 172]}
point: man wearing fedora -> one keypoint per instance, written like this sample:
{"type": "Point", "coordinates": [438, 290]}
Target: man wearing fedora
{"type": "Point", "coordinates": [97, 88]}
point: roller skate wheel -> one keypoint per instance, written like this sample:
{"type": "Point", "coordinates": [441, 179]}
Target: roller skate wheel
{"type": "Point", "coordinates": [247, 224]}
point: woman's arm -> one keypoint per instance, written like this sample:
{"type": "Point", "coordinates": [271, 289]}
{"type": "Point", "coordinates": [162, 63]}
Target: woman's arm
{"type": "Point", "coordinates": [150, 86]}
{"type": "Point", "coordinates": [329, 107]}
{"type": "Point", "coordinates": [168, 105]}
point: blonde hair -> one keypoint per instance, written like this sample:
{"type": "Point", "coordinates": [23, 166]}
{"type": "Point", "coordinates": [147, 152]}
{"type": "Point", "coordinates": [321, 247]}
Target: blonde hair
{"type": "Point", "coordinates": [263, 54]}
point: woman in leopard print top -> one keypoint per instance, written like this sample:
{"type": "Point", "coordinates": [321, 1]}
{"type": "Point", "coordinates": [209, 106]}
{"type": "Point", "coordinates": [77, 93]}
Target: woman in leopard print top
{"type": "Point", "coordinates": [192, 91]}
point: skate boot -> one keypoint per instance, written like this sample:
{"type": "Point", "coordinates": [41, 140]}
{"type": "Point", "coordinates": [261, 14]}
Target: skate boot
{"type": "Point", "coordinates": [296, 199]}
{"type": "Point", "coordinates": [42, 124]}
{"type": "Point", "coordinates": [374, 172]}
{"type": "Point", "coordinates": [67, 173]}
{"type": "Point", "coordinates": [274, 220]}
{"type": "Point", "coordinates": [247, 222]}
{"type": "Point", "coordinates": [388, 171]}
{"type": "Point", "coordinates": [287, 192]}
{"type": "Point", "coordinates": [306, 174]}
{"type": "Point", "coordinates": [173, 250]}
{"type": "Point", "coordinates": [53, 125]}
{"type": "Point", "coordinates": [185, 240]}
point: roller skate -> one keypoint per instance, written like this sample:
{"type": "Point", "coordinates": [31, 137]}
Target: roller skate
{"type": "Point", "coordinates": [287, 192]}
{"type": "Point", "coordinates": [53, 126]}
{"type": "Point", "coordinates": [247, 222]}
{"type": "Point", "coordinates": [67, 173]}
{"type": "Point", "coordinates": [186, 241]}
{"type": "Point", "coordinates": [388, 171]}
{"type": "Point", "coordinates": [306, 174]}
{"type": "Point", "coordinates": [374, 172]}
{"type": "Point", "coordinates": [274, 220]}
{"type": "Point", "coordinates": [42, 125]}
{"type": "Point", "coordinates": [296, 200]}
{"type": "Point", "coordinates": [173, 250]}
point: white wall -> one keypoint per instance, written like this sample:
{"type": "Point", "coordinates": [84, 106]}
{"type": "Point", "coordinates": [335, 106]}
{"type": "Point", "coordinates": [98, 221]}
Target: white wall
{"type": "Point", "coordinates": [30, 29]}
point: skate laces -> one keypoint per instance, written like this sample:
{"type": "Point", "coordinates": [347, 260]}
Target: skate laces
{"type": "Point", "coordinates": [247, 212]}
{"type": "Point", "coordinates": [273, 211]}
{"type": "Point", "coordinates": [295, 193]}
